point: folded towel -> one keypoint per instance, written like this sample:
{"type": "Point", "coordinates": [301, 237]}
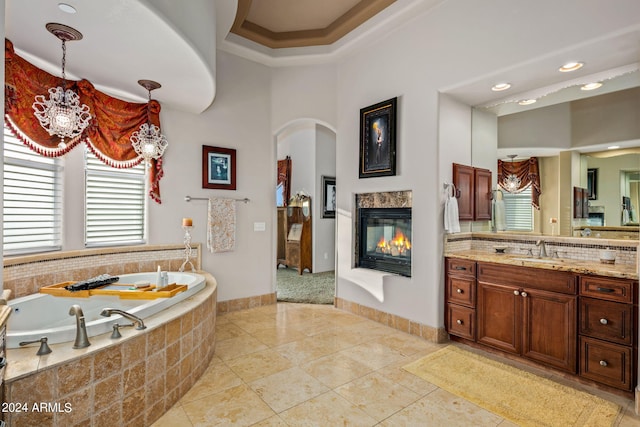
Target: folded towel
{"type": "Point", "coordinates": [221, 225]}
{"type": "Point", "coordinates": [499, 215]}
{"type": "Point", "coordinates": [451, 220]}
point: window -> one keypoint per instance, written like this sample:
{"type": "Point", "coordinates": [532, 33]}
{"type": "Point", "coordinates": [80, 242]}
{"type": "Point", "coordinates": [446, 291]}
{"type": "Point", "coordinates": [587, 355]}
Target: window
{"type": "Point", "coordinates": [518, 210]}
{"type": "Point", "coordinates": [115, 203]}
{"type": "Point", "coordinates": [32, 213]}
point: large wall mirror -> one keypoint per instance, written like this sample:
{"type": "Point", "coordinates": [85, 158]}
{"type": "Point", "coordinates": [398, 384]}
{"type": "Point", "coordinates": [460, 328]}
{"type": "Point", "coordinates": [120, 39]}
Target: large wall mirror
{"type": "Point", "coordinates": [584, 139]}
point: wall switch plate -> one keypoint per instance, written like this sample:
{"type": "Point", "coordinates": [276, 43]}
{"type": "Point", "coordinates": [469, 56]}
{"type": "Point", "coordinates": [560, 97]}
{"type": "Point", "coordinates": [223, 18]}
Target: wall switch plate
{"type": "Point", "coordinates": [259, 226]}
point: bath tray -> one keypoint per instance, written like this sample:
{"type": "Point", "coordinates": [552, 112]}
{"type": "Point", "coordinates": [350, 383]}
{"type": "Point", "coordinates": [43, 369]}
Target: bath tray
{"type": "Point", "coordinates": [122, 290]}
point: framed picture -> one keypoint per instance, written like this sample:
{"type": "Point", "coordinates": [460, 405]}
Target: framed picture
{"type": "Point", "coordinates": [378, 139]}
{"type": "Point", "coordinates": [328, 197]}
{"type": "Point", "coordinates": [218, 168]}
{"type": "Point", "coordinates": [592, 183]}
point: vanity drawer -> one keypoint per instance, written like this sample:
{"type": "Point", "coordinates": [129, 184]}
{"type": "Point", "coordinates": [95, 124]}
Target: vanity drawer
{"type": "Point", "coordinates": [619, 290]}
{"type": "Point", "coordinates": [461, 321]}
{"type": "Point", "coordinates": [461, 290]}
{"type": "Point", "coordinates": [611, 321]}
{"type": "Point", "coordinates": [606, 363]}
{"type": "Point", "coordinates": [461, 267]}
{"type": "Point", "coordinates": [528, 277]}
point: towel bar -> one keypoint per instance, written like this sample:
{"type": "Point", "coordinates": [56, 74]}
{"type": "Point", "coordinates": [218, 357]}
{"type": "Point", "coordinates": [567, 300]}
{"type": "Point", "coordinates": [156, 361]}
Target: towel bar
{"type": "Point", "coordinates": [189, 198]}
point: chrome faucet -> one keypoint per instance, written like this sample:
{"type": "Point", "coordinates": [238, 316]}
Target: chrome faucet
{"type": "Point", "coordinates": [82, 340]}
{"type": "Point", "coordinates": [139, 324]}
{"type": "Point", "coordinates": [543, 248]}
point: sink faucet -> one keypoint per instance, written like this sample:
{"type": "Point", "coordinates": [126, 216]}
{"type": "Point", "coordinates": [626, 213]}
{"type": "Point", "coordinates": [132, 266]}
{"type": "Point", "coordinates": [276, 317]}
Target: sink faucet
{"type": "Point", "coordinates": [543, 248]}
{"type": "Point", "coordinates": [82, 340]}
{"type": "Point", "coordinates": [139, 324]}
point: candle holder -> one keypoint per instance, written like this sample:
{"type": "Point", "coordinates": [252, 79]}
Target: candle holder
{"type": "Point", "coordinates": [187, 249]}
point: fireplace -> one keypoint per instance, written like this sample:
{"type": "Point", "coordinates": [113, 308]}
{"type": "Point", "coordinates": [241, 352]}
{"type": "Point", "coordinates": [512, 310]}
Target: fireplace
{"type": "Point", "coordinates": [385, 239]}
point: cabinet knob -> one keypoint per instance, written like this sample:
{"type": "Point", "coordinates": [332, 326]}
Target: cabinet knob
{"type": "Point", "coordinates": [516, 292]}
{"type": "Point", "coordinates": [524, 294]}
{"type": "Point", "coordinates": [460, 291]}
{"type": "Point", "coordinates": [459, 322]}
{"type": "Point", "coordinates": [603, 363]}
{"type": "Point", "coordinates": [604, 321]}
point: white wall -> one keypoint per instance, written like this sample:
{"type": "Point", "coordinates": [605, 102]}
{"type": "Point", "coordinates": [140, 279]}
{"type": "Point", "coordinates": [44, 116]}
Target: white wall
{"type": "Point", "coordinates": [324, 228]}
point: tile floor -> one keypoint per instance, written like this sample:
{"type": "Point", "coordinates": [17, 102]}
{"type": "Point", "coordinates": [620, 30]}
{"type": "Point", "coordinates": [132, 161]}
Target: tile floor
{"type": "Point", "coordinates": [314, 365]}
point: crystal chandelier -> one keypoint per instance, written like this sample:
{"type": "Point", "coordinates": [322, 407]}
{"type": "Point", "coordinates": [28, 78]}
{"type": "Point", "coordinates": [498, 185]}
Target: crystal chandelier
{"type": "Point", "coordinates": [511, 182]}
{"type": "Point", "coordinates": [147, 141]}
{"type": "Point", "coordinates": [61, 114]}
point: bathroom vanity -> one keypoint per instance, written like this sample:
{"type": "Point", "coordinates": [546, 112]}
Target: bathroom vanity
{"type": "Point", "coordinates": [562, 314]}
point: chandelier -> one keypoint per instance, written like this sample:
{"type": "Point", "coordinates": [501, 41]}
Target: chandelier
{"type": "Point", "coordinates": [61, 114]}
{"type": "Point", "coordinates": [147, 141]}
{"type": "Point", "coordinates": [511, 182]}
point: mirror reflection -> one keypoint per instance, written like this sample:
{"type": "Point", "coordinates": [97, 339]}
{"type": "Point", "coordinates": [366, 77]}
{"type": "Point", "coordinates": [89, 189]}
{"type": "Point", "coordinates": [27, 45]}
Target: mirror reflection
{"type": "Point", "coordinates": [588, 147]}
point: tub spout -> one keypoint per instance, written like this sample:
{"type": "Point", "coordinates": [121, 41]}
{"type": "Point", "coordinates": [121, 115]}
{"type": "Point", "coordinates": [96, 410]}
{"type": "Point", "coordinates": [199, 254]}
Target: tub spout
{"type": "Point", "coordinates": [82, 340]}
{"type": "Point", "coordinates": [139, 324]}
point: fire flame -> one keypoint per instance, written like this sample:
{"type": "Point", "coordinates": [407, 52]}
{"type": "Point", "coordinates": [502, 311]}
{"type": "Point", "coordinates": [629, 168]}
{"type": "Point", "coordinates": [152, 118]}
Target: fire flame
{"type": "Point", "coordinates": [399, 245]}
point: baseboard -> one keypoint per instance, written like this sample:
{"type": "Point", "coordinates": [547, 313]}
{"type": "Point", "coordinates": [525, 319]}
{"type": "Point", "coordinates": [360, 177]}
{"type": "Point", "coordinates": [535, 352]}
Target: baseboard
{"type": "Point", "coordinates": [245, 303]}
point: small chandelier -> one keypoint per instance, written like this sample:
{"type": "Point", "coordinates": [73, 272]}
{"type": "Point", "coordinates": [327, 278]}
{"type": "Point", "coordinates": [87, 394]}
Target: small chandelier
{"type": "Point", "coordinates": [511, 182]}
{"type": "Point", "coordinates": [61, 114]}
{"type": "Point", "coordinates": [147, 141]}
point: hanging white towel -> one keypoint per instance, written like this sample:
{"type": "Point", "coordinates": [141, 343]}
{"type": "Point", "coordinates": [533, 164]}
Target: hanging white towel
{"type": "Point", "coordinates": [499, 215]}
{"type": "Point", "coordinates": [221, 225]}
{"type": "Point", "coordinates": [451, 220]}
{"type": "Point", "coordinates": [625, 216]}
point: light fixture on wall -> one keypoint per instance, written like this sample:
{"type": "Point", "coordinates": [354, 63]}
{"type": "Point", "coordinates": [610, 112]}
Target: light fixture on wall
{"type": "Point", "coordinates": [147, 141]}
{"type": "Point", "coordinates": [61, 114]}
{"type": "Point", "coordinates": [511, 182]}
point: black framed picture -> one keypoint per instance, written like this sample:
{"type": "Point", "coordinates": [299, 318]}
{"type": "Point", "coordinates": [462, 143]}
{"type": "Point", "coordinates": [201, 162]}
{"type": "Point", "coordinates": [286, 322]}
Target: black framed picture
{"type": "Point", "coordinates": [218, 168]}
{"type": "Point", "coordinates": [378, 139]}
{"type": "Point", "coordinates": [328, 197]}
{"type": "Point", "coordinates": [592, 183]}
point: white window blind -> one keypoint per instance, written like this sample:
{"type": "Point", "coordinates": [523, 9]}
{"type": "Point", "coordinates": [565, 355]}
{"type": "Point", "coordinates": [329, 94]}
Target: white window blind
{"type": "Point", "coordinates": [115, 203]}
{"type": "Point", "coordinates": [32, 213]}
{"type": "Point", "coordinates": [518, 210]}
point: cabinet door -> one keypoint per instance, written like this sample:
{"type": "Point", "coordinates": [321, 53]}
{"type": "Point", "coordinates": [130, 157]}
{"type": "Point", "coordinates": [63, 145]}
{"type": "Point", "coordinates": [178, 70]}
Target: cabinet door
{"type": "Point", "coordinates": [482, 194]}
{"type": "Point", "coordinates": [549, 330]}
{"type": "Point", "coordinates": [585, 203]}
{"type": "Point", "coordinates": [463, 179]}
{"type": "Point", "coordinates": [577, 202]}
{"type": "Point", "coordinates": [499, 317]}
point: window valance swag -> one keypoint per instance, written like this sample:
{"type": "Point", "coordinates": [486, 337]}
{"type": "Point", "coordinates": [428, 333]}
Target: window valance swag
{"type": "Point", "coordinates": [529, 174]}
{"type": "Point", "coordinates": [107, 136]}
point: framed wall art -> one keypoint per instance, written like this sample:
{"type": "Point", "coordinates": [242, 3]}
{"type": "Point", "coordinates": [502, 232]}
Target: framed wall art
{"type": "Point", "coordinates": [218, 168]}
{"type": "Point", "coordinates": [328, 197]}
{"type": "Point", "coordinates": [378, 139]}
{"type": "Point", "coordinates": [592, 183]}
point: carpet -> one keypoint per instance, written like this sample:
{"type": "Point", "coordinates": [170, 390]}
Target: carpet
{"type": "Point", "coordinates": [311, 288]}
{"type": "Point", "coordinates": [519, 396]}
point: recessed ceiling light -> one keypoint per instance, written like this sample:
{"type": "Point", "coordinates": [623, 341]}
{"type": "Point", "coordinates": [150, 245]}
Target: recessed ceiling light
{"type": "Point", "coordinates": [613, 147]}
{"type": "Point", "coordinates": [571, 66]}
{"type": "Point", "coordinates": [67, 8]}
{"type": "Point", "coordinates": [591, 86]}
{"type": "Point", "coordinates": [500, 86]}
{"type": "Point", "coordinates": [527, 102]}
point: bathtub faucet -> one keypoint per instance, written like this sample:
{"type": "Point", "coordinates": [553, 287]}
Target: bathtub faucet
{"type": "Point", "coordinates": [135, 319]}
{"type": "Point", "coordinates": [82, 340]}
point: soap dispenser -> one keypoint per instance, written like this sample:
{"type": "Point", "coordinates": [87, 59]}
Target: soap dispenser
{"type": "Point", "coordinates": [159, 284]}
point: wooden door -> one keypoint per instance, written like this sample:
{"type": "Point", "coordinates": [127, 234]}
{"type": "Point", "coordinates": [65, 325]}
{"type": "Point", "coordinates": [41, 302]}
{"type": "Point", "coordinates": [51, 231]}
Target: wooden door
{"type": "Point", "coordinates": [482, 194]}
{"type": "Point", "coordinates": [550, 328]}
{"type": "Point", "coordinates": [499, 317]}
{"type": "Point", "coordinates": [464, 181]}
{"type": "Point", "coordinates": [577, 202]}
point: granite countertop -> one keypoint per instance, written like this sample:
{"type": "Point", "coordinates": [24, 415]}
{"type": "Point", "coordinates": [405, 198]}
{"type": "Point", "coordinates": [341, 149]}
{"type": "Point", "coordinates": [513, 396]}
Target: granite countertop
{"type": "Point", "coordinates": [623, 271]}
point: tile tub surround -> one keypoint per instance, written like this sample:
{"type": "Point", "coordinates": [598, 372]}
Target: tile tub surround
{"type": "Point", "coordinates": [130, 381]}
{"type": "Point", "coordinates": [570, 248]}
{"type": "Point", "coordinates": [25, 275]}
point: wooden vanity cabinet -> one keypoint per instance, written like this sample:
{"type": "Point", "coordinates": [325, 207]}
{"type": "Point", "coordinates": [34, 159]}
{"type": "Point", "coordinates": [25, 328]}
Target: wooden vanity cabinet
{"type": "Point", "coordinates": [460, 296]}
{"type": "Point", "coordinates": [608, 336]}
{"type": "Point", "coordinates": [529, 312]}
{"type": "Point", "coordinates": [473, 191]}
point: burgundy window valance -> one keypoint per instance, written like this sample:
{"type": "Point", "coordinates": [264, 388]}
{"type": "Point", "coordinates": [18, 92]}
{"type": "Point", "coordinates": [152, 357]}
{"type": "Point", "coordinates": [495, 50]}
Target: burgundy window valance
{"type": "Point", "coordinates": [107, 136]}
{"type": "Point", "coordinates": [528, 173]}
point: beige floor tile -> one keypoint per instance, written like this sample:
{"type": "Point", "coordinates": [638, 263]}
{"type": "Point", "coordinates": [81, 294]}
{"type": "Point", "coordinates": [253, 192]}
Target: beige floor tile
{"type": "Point", "coordinates": [303, 351]}
{"type": "Point", "coordinates": [377, 395]}
{"type": "Point", "coordinates": [406, 344]}
{"type": "Point", "coordinates": [239, 346]}
{"type": "Point", "coordinates": [328, 409]}
{"type": "Point", "coordinates": [274, 337]}
{"type": "Point", "coordinates": [218, 377]}
{"type": "Point", "coordinates": [274, 421]}
{"type": "Point", "coordinates": [259, 364]}
{"type": "Point", "coordinates": [228, 331]}
{"type": "Point", "coordinates": [441, 408]}
{"type": "Point", "coordinates": [335, 369]}
{"type": "Point", "coordinates": [287, 388]}
{"type": "Point", "coordinates": [237, 406]}
{"type": "Point", "coordinates": [175, 416]}
{"type": "Point", "coordinates": [374, 354]}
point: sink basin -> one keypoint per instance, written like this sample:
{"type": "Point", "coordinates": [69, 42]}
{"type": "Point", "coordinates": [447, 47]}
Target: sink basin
{"type": "Point", "coordinates": [540, 260]}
